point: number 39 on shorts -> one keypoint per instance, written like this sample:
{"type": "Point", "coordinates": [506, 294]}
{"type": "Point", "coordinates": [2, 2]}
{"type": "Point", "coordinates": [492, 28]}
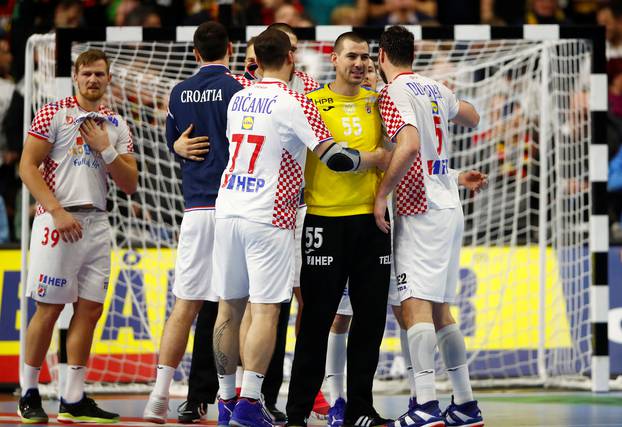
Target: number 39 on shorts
{"type": "Point", "coordinates": [50, 237]}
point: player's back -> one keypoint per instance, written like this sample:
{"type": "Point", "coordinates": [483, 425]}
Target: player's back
{"type": "Point", "coordinates": [202, 100]}
{"type": "Point", "coordinates": [269, 128]}
{"type": "Point", "coordinates": [428, 105]}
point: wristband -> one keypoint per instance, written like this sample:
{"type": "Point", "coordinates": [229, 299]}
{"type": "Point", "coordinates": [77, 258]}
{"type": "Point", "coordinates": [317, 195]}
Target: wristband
{"type": "Point", "coordinates": [109, 154]}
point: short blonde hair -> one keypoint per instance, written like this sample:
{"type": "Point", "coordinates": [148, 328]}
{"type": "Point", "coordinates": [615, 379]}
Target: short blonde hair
{"type": "Point", "coordinates": [90, 56]}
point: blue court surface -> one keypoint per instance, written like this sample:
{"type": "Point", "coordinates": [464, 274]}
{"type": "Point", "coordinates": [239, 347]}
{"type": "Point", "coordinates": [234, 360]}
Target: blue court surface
{"type": "Point", "coordinates": [511, 409]}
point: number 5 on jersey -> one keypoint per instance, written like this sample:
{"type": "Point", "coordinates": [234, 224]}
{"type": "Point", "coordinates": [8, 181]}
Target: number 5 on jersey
{"type": "Point", "coordinates": [238, 139]}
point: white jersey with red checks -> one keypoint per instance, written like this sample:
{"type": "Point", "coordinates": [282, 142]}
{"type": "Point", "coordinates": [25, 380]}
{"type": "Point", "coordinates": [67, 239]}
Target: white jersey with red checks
{"type": "Point", "coordinates": [411, 99]}
{"type": "Point", "coordinates": [269, 128]}
{"type": "Point", "coordinates": [301, 82]}
{"type": "Point", "coordinates": [76, 174]}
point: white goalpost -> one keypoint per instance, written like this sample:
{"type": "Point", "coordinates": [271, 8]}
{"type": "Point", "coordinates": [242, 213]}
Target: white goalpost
{"type": "Point", "coordinates": [531, 294]}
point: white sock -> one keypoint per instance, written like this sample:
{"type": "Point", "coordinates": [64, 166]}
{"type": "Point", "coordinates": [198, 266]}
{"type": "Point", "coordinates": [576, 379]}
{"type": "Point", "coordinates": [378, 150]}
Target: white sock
{"type": "Point", "coordinates": [335, 366]}
{"type": "Point", "coordinates": [226, 385]}
{"type": "Point", "coordinates": [410, 373]}
{"type": "Point", "coordinates": [422, 342]}
{"type": "Point", "coordinates": [251, 385]}
{"type": "Point", "coordinates": [452, 348]}
{"type": "Point", "coordinates": [74, 386]}
{"type": "Point", "coordinates": [239, 376]}
{"type": "Point", "coordinates": [29, 378]}
{"type": "Point", "coordinates": [459, 377]}
{"type": "Point", "coordinates": [164, 377]}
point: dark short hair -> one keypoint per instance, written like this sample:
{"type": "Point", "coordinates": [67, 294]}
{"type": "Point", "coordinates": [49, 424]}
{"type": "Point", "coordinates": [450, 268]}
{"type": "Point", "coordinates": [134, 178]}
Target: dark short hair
{"type": "Point", "coordinates": [350, 35]}
{"type": "Point", "coordinates": [399, 45]}
{"type": "Point", "coordinates": [271, 48]}
{"type": "Point", "coordinates": [211, 40]}
{"type": "Point", "coordinates": [90, 56]}
{"type": "Point", "coordinates": [281, 26]}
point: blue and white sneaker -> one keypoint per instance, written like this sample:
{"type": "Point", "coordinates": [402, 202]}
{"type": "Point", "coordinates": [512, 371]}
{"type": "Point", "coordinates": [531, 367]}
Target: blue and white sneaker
{"type": "Point", "coordinates": [250, 413]}
{"type": "Point", "coordinates": [426, 415]}
{"type": "Point", "coordinates": [225, 409]}
{"type": "Point", "coordinates": [466, 414]}
{"type": "Point", "coordinates": [336, 413]}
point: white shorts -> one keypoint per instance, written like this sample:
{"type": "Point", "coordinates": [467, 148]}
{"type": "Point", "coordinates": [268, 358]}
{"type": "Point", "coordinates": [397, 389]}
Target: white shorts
{"type": "Point", "coordinates": [253, 259]}
{"type": "Point", "coordinates": [61, 272]}
{"type": "Point", "coordinates": [345, 306]}
{"type": "Point", "coordinates": [300, 222]}
{"type": "Point", "coordinates": [193, 265]}
{"type": "Point", "coordinates": [427, 254]}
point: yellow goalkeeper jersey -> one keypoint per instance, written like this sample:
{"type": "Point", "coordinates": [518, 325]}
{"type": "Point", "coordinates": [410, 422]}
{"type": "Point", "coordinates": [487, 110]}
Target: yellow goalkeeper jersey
{"type": "Point", "coordinates": [355, 122]}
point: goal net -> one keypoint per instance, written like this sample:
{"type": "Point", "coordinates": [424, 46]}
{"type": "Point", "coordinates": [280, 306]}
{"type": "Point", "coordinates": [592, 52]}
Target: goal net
{"type": "Point", "coordinates": [525, 270]}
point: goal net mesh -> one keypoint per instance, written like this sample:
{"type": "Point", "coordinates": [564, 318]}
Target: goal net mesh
{"type": "Point", "coordinates": [523, 296]}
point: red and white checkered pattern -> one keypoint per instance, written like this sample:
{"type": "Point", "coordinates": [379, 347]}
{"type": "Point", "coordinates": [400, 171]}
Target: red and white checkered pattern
{"type": "Point", "coordinates": [410, 192]}
{"type": "Point", "coordinates": [305, 83]}
{"type": "Point", "coordinates": [40, 126]}
{"type": "Point", "coordinates": [312, 113]}
{"type": "Point", "coordinates": [241, 79]}
{"type": "Point", "coordinates": [49, 176]}
{"type": "Point", "coordinates": [391, 117]}
{"type": "Point", "coordinates": [287, 192]}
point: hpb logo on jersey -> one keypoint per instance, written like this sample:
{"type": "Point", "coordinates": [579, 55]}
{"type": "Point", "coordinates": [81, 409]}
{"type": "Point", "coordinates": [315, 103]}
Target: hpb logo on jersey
{"type": "Point", "coordinates": [248, 122]}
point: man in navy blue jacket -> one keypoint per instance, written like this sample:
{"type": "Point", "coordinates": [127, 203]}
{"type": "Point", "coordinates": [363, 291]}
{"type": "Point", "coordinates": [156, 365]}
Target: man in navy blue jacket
{"type": "Point", "coordinates": [197, 106]}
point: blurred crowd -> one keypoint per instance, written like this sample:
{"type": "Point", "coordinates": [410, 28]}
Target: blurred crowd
{"type": "Point", "coordinates": [21, 18]}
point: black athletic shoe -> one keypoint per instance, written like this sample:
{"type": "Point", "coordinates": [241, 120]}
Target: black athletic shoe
{"type": "Point", "coordinates": [29, 408]}
{"type": "Point", "coordinates": [370, 420]}
{"type": "Point", "coordinates": [190, 412]}
{"type": "Point", "coordinates": [84, 411]}
{"type": "Point", "coordinates": [277, 416]}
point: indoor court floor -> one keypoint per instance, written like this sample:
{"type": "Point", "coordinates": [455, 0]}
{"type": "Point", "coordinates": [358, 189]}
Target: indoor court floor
{"type": "Point", "coordinates": [511, 409]}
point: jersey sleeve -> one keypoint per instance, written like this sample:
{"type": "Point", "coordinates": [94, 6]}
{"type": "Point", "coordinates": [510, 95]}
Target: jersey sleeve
{"type": "Point", "coordinates": [172, 133]}
{"type": "Point", "coordinates": [43, 125]}
{"type": "Point", "coordinates": [306, 121]}
{"type": "Point", "coordinates": [125, 142]}
{"type": "Point", "coordinates": [453, 103]}
{"type": "Point", "coordinates": [395, 110]}
{"type": "Point", "coordinates": [308, 82]}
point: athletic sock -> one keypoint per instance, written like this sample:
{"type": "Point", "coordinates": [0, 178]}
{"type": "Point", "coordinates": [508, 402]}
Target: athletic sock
{"type": "Point", "coordinates": [74, 385]}
{"type": "Point", "coordinates": [335, 366]}
{"type": "Point", "coordinates": [453, 351]}
{"type": "Point", "coordinates": [226, 385]}
{"type": "Point", "coordinates": [251, 385]}
{"type": "Point", "coordinates": [410, 373]}
{"type": "Point", "coordinates": [164, 377]}
{"type": "Point", "coordinates": [421, 343]}
{"type": "Point", "coordinates": [29, 378]}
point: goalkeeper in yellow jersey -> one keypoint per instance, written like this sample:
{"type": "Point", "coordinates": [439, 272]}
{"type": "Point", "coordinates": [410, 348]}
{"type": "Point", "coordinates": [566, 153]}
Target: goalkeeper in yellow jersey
{"type": "Point", "coordinates": [342, 243]}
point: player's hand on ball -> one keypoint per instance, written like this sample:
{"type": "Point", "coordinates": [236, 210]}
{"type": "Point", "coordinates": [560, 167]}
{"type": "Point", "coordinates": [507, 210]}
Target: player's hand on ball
{"type": "Point", "coordinates": [69, 228]}
{"type": "Point", "coordinates": [473, 180]}
{"type": "Point", "coordinates": [95, 135]}
{"type": "Point", "coordinates": [191, 148]}
{"type": "Point", "coordinates": [380, 210]}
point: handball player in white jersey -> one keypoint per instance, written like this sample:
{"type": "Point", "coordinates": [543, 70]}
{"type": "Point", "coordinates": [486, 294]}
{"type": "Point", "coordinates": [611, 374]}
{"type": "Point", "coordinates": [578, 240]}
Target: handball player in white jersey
{"type": "Point", "coordinates": [428, 226]}
{"type": "Point", "coordinates": [270, 127]}
{"type": "Point", "coordinates": [72, 145]}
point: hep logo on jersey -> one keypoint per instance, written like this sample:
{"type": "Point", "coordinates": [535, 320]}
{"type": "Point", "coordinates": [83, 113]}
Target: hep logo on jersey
{"type": "Point", "coordinates": [246, 184]}
{"type": "Point", "coordinates": [46, 280]}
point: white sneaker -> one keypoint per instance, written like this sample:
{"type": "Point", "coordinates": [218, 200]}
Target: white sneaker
{"type": "Point", "coordinates": [156, 409]}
